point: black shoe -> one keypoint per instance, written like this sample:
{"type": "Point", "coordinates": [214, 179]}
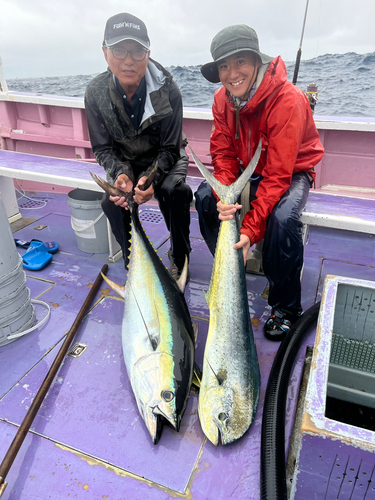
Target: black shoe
{"type": "Point", "coordinates": [279, 323]}
{"type": "Point", "coordinates": [174, 271]}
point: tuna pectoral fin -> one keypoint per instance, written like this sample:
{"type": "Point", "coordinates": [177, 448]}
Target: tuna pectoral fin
{"type": "Point", "coordinates": [120, 290]}
{"type": "Point", "coordinates": [197, 379]}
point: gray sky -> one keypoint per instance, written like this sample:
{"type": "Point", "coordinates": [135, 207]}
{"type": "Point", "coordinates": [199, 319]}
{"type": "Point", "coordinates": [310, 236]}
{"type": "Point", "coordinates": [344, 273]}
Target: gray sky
{"type": "Point", "coordinates": [50, 38]}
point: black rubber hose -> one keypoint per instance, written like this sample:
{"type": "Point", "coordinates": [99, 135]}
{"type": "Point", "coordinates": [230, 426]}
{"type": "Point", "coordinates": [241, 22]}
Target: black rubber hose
{"type": "Point", "coordinates": [272, 466]}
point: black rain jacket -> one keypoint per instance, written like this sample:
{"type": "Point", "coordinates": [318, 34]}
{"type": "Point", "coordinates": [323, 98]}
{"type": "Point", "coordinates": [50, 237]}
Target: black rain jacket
{"type": "Point", "coordinates": [117, 145]}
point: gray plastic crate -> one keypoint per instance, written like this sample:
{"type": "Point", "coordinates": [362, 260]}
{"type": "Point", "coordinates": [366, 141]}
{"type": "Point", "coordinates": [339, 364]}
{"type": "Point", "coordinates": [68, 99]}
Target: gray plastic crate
{"type": "Point", "coordinates": [351, 375]}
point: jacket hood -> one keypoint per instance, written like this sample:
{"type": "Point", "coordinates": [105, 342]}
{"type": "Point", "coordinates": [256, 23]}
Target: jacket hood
{"type": "Point", "coordinates": [156, 76]}
{"type": "Point", "coordinates": [269, 80]}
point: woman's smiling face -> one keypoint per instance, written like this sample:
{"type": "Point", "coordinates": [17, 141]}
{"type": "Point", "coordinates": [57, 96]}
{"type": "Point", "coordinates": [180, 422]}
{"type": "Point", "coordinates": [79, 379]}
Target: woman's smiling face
{"type": "Point", "coordinates": [238, 73]}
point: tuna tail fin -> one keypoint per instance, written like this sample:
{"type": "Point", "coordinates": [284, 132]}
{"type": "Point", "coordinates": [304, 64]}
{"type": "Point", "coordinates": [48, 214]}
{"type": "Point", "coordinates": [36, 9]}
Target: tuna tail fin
{"type": "Point", "coordinates": [108, 188]}
{"type": "Point", "coordinates": [113, 191]}
{"type": "Point", "coordinates": [120, 290]}
{"type": "Point", "coordinates": [150, 178]}
{"type": "Point", "coordinates": [229, 194]}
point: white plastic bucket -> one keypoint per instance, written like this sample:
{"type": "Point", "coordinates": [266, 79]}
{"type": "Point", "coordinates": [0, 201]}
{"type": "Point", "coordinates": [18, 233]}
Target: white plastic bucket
{"type": "Point", "coordinates": [18, 321]}
{"type": "Point", "coordinates": [88, 221]}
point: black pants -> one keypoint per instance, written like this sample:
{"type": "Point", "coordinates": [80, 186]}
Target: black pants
{"type": "Point", "coordinates": [283, 245]}
{"type": "Point", "coordinates": [174, 197]}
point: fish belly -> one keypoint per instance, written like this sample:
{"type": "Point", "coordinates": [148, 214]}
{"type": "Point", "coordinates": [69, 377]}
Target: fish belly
{"type": "Point", "coordinates": [146, 321]}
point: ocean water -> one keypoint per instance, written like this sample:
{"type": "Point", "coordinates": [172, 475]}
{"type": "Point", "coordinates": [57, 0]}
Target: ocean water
{"type": "Point", "coordinates": [346, 84]}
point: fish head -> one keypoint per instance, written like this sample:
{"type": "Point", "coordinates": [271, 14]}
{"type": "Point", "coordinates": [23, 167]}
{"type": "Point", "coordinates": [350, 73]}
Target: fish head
{"type": "Point", "coordinates": [224, 414]}
{"type": "Point", "coordinates": [157, 393]}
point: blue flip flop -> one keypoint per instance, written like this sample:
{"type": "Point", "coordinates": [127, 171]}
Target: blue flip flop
{"type": "Point", "coordinates": [51, 246]}
{"type": "Point", "coordinates": [36, 256]}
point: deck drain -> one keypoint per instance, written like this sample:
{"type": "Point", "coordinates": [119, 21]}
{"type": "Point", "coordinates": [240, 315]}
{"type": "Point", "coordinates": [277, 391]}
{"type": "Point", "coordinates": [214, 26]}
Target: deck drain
{"type": "Point", "coordinates": [149, 216]}
{"type": "Point", "coordinates": [33, 204]}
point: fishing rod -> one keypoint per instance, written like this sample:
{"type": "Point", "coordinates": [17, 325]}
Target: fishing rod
{"type": "Point", "coordinates": [23, 429]}
{"type": "Point", "coordinates": [298, 60]}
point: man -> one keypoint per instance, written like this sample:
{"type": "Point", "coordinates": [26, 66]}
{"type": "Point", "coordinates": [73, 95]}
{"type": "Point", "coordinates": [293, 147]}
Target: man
{"type": "Point", "coordinates": [257, 102]}
{"type": "Point", "coordinates": [134, 114]}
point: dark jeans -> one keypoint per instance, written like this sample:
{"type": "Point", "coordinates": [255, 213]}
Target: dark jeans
{"type": "Point", "coordinates": [283, 246]}
{"type": "Point", "coordinates": [174, 197]}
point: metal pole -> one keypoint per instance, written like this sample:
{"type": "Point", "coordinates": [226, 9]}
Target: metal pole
{"type": "Point", "coordinates": [35, 405]}
{"type": "Point", "coordinates": [3, 83]}
{"type": "Point", "coordinates": [296, 67]}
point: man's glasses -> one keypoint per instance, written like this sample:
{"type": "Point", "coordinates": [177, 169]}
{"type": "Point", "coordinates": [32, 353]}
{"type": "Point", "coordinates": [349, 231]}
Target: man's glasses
{"type": "Point", "coordinates": [137, 54]}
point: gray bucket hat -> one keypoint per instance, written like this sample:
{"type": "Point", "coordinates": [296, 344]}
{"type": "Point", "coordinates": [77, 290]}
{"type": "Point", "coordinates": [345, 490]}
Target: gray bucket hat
{"type": "Point", "coordinates": [228, 41]}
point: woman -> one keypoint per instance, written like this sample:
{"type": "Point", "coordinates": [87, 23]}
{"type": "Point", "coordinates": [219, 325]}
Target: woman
{"type": "Point", "coordinates": [257, 102]}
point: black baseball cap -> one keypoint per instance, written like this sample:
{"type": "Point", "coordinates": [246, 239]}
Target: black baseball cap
{"type": "Point", "coordinates": [124, 26]}
{"type": "Point", "coordinates": [229, 41]}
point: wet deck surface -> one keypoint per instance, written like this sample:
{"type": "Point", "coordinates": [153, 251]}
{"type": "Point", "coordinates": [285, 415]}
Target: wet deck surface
{"type": "Point", "coordinates": [88, 440]}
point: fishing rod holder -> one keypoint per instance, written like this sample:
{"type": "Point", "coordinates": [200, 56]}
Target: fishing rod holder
{"type": "Point", "coordinates": [312, 95]}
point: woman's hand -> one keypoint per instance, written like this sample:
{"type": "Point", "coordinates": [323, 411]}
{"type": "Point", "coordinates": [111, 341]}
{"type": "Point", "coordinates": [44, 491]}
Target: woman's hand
{"type": "Point", "coordinates": [226, 211]}
{"type": "Point", "coordinates": [245, 244]}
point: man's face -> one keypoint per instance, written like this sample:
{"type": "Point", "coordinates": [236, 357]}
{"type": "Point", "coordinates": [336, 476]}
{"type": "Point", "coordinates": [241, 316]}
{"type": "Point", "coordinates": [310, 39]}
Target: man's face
{"type": "Point", "coordinates": [238, 73]}
{"type": "Point", "coordinates": [128, 71]}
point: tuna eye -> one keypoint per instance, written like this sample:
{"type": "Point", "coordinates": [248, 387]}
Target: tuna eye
{"type": "Point", "coordinates": [167, 396]}
{"type": "Point", "coordinates": [222, 416]}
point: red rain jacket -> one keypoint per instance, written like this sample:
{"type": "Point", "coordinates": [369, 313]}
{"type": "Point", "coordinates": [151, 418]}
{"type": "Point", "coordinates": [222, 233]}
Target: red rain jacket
{"type": "Point", "coordinates": [279, 114]}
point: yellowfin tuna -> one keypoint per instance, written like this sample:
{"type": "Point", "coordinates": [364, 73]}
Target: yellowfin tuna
{"type": "Point", "coordinates": [157, 332]}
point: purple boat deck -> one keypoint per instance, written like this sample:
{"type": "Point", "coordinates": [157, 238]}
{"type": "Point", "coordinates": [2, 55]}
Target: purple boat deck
{"type": "Point", "coordinates": [88, 439]}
